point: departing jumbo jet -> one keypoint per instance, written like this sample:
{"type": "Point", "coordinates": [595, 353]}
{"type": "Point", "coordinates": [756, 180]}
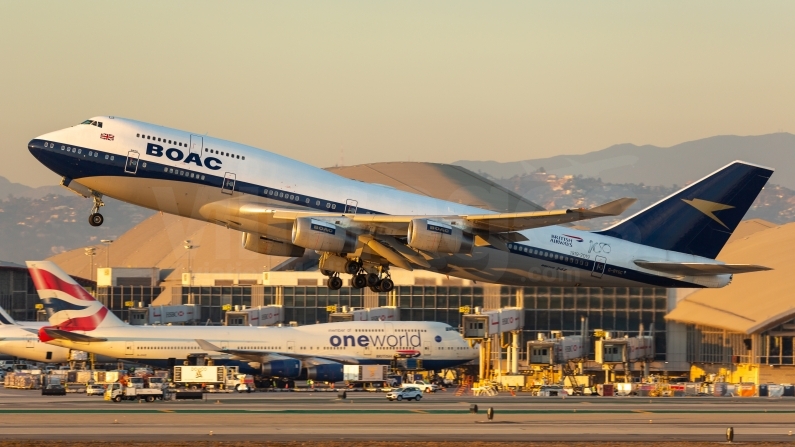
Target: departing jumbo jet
{"type": "Point", "coordinates": [284, 207]}
{"type": "Point", "coordinates": [318, 351]}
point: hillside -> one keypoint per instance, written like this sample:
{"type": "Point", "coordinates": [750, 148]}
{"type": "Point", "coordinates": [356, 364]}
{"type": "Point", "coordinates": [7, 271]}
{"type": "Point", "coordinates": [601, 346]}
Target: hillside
{"type": "Point", "coordinates": [775, 203]}
{"type": "Point", "coordinates": [651, 165]}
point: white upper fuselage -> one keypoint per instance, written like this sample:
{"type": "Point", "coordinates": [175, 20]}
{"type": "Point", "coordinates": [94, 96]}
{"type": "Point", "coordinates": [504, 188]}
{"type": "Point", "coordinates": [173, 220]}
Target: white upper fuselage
{"type": "Point", "coordinates": [194, 176]}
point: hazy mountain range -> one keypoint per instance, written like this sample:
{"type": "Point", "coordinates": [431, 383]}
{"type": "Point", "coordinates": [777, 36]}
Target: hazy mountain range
{"type": "Point", "coordinates": [651, 165]}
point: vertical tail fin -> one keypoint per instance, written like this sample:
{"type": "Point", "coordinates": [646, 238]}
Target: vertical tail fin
{"type": "Point", "coordinates": [700, 218]}
{"type": "Point", "coordinates": [5, 319]}
{"type": "Point", "coordinates": [68, 305]}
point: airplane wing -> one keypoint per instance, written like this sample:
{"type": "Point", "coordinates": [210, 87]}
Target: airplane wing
{"type": "Point", "coordinates": [700, 268]}
{"type": "Point", "coordinates": [381, 232]}
{"type": "Point", "coordinates": [268, 356]}
{"type": "Point", "coordinates": [71, 336]}
{"type": "Point", "coordinates": [489, 223]}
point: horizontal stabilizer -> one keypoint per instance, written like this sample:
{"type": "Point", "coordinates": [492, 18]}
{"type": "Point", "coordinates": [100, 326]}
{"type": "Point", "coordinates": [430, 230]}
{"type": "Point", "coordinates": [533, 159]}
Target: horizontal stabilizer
{"type": "Point", "coordinates": [700, 268]}
{"type": "Point", "coordinates": [71, 336]}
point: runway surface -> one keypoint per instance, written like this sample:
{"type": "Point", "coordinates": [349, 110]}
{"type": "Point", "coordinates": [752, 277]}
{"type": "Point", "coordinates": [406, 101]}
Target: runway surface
{"type": "Point", "coordinates": [369, 416]}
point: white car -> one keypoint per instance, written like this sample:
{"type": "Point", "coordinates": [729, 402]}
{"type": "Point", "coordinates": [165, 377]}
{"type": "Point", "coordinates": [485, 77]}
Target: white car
{"type": "Point", "coordinates": [407, 393]}
{"type": "Point", "coordinates": [95, 390]}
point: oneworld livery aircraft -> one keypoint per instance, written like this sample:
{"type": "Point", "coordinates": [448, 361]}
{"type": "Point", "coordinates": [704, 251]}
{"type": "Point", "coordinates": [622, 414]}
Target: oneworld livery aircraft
{"type": "Point", "coordinates": [318, 351]}
{"type": "Point", "coordinates": [283, 207]}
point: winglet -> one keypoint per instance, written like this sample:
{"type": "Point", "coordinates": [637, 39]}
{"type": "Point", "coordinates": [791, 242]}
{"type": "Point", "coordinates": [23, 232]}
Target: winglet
{"type": "Point", "coordinates": [614, 208]}
{"type": "Point", "coordinates": [207, 346]}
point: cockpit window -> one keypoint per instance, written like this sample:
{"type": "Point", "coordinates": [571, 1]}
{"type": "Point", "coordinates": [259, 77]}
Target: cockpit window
{"type": "Point", "coordinates": [93, 123]}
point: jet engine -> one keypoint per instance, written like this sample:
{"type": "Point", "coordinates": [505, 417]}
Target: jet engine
{"type": "Point", "coordinates": [282, 368]}
{"type": "Point", "coordinates": [322, 236]}
{"type": "Point", "coordinates": [325, 373]}
{"type": "Point", "coordinates": [428, 235]}
{"type": "Point", "coordinates": [256, 243]}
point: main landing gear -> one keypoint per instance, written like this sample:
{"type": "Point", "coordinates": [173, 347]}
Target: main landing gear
{"type": "Point", "coordinates": [360, 278]}
{"type": "Point", "coordinates": [95, 219]}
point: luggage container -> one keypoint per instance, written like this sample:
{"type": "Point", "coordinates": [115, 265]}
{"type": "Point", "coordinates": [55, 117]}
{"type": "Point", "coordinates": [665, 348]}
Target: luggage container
{"type": "Point", "coordinates": [720, 389]}
{"type": "Point", "coordinates": [775, 390]}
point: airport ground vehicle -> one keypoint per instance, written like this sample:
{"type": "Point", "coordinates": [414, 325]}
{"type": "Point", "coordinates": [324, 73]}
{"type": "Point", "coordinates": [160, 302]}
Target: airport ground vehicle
{"type": "Point", "coordinates": [407, 393]}
{"type": "Point", "coordinates": [118, 392]}
{"type": "Point", "coordinates": [211, 376]}
{"type": "Point", "coordinates": [53, 390]}
{"type": "Point", "coordinates": [423, 385]}
{"type": "Point", "coordinates": [95, 390]}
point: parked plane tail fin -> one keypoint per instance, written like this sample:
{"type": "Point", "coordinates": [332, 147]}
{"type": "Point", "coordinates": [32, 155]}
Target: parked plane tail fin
{"type": "Point", "coordinates": [68, 305]}
{"type": "Point", "coordinates": [5, 318]}
{"type": "Point", "coordinates": [700, 218]}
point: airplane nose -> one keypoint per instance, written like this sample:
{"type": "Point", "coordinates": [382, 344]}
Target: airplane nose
{"type": "Point", "coordinates": [35, 146]}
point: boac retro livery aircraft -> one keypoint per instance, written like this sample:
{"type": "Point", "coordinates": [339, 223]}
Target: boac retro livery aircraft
{"type": "Point", "coordinates": [283, 207]}
{"type": "Point", "coordinates": [316, 351]}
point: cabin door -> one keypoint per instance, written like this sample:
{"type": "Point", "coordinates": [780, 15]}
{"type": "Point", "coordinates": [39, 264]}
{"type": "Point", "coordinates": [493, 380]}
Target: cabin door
{"type": "Point", "coordinates": [599, 266]}
{"type": "Point", "coordinates": [131, 165]}
{"type": "Point", "coordinates": [228, 185]}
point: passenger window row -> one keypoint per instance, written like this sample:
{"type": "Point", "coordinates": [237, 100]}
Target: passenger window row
{"type": "Point", "coordinates": [161, 140]}
{"type": "Point", "coordinates": [76, 150]}
{"type": "Point", "coordinates": [182, 173]}
{"type": "Point", "coordinates": [547, 254]}
{"type": "Point", "coordinates": [225, 154]}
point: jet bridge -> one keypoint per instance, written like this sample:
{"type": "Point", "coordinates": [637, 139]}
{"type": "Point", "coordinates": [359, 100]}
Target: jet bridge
{"type": "Point", "coordinates": [558, 351]}
{"type": "Point", "coordinates": [614, 348]}
{"type": "Point", "coordinates": [482, 327]}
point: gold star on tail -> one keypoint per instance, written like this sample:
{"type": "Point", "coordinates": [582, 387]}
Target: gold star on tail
{"type": "Point", "coordinates": [708, 208]}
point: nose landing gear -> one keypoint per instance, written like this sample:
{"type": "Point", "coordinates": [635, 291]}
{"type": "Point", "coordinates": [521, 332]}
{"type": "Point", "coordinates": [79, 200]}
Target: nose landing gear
{"type": "Point", "coordinates": [95, 219]}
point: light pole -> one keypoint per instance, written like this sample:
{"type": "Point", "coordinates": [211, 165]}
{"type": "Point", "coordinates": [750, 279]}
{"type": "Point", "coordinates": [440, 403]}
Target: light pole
{"type": "Point", "coordinates": [90, 252]}
{"type": "Point", "coordinates": [189, 247]}
{"type": "Point", "coordinates": [107, 243]}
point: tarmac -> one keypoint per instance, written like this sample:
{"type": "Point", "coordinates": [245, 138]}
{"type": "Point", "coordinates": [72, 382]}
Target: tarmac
{"type": "Point", "coordinates": [308, 416]}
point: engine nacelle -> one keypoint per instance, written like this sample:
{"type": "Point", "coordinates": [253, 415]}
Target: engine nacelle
{"type": "Point", "coordinates": [282, 368]}
{"type": "Point", "coordinates": [322, 236]}
{"type": "Point", "coordinates": [256, 243]}
{"type": "Point", "coordinates": [325, 373]}
{"type": "Point", "coordinates": [438, 237]}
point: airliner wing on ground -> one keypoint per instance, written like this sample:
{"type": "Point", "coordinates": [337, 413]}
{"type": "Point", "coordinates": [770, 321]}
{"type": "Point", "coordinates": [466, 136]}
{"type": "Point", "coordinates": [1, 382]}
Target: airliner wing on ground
{"type": "Point", "coordinates": [284, 207]}
{"type": "Point", "coordinates": [260, 356]}
{"type": "Point", "coordinates": [317, 351]}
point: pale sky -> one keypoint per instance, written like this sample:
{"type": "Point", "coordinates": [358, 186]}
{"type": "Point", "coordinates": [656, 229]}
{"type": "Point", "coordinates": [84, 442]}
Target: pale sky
{"type": "Point", "coordinates": [357, 82]}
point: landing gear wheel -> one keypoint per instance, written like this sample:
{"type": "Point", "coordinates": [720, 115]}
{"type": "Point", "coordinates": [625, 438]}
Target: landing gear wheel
{"type": "Point", "coordinates": [352, 267]}
{"type": "Point", "coordinates": [387, 285]}
{"type": "Point", "coordinates": [375, 289]}
{"type": "Point", "coordinates": [95, 219]}
{"type": "Point", "coordinates": [372, 279]}
{"type": "Point", "coordinates": [335, 283]}
{"type": "Point", "coordinates": [359, 281]}
{"type": "Point", "coordinates": [328, 273]}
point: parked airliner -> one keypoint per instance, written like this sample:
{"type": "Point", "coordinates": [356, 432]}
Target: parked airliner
{"type": "Point", "coordinates": [317, 351]}
{"type": "Point", "coordinates": [283, 207]}
{"type": "Point", "coordinates": [21, 340]}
